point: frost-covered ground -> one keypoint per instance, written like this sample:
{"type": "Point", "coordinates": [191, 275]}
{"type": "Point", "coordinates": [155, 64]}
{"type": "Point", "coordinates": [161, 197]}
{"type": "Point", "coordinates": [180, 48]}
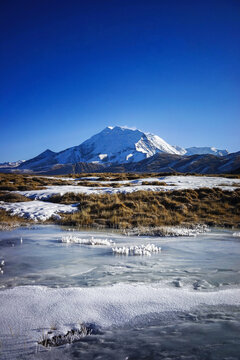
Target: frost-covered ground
{"type": "Point", "coordinates": [173, 183]}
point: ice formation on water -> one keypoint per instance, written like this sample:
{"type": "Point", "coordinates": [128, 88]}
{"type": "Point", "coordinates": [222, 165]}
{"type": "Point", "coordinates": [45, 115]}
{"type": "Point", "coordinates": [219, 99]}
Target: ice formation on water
{"type": "Point", "coordinates": [236, 234]}
{"type": "Point", "coordinates": [163, 231]}
{"type": "Point", "coordinates": [137, 250]}
{"type": "Point", "coordinates": [70, 239]}
{"type": "Point", "coordinates": [2, 263]}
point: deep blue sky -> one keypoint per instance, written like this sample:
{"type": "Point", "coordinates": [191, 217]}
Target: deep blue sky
{"type": "Point", "coordinates": [70, 68]}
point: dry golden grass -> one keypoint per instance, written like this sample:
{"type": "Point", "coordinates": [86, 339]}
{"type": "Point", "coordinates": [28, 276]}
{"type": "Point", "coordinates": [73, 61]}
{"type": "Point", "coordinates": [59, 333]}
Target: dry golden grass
{"type": "Point", "coordinates": [158, 183]}
{"type": "Point", "coordinates": [8, 221]}
{"type": "Point", "coordinates": [146, 208]}
{"type": "Point", "coordinates": [12, 197]}
{"type": "Point", "coordinates": [142, 208]}
{"type": "Point", "coordinates": [22, 182]}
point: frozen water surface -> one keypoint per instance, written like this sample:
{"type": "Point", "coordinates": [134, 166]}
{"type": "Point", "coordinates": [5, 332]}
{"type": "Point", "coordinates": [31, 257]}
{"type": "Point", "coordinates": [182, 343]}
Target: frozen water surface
{"type": "Point", "coordinates": [180, 303]}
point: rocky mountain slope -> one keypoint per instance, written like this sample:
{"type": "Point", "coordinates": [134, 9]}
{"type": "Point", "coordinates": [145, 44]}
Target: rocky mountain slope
{"type": "Point", "coordinates": [121, 147]}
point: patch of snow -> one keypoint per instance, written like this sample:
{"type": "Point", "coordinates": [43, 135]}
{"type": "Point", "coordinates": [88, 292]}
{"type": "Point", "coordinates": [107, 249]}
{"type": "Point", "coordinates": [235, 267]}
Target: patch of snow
{"type": "Point", "coordinates": [129, 156]}
{"type": "Point", "coordinates": [91, 178]}
{"type": "Point", "coordinates": [38, 210]}
{"type": "Point", "coordinates": [102, 156]}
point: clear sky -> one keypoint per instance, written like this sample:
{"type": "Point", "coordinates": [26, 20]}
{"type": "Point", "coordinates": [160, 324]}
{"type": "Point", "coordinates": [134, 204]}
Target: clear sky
{"type": "Point", "coordinates": [70, 68]}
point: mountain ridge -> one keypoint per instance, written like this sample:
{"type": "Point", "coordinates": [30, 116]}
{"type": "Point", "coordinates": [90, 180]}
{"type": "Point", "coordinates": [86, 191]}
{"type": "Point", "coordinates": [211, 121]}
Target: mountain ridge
{"type": "Point", "coordinates": [115, 146]}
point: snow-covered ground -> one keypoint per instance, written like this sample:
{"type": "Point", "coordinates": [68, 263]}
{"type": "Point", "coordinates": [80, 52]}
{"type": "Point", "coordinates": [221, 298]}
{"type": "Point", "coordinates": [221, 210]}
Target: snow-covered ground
{"type": "Point", "coordinates": [173, 183]}
{"type": "Point", "coordinates": [32, 310]}
{"type": "Point", "coordinates": [38, 210]}
{"type": "Point", "coordinates": [35, 306]}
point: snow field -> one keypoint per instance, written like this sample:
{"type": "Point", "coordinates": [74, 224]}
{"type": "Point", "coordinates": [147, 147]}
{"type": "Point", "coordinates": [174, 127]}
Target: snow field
{"type": "Point", "coordinates": [38, 307]}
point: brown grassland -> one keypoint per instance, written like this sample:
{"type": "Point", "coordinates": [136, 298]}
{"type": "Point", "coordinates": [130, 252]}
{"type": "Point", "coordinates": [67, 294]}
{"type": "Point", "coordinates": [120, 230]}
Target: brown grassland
{"type": "Point", "coordinates": [8, 221]}
{"type": "Point", "coordinates": [147, 208]}
{"type": "Point", "coordinates": [22, 182]}
{"type": "Point", "coordinates": [142, 208]}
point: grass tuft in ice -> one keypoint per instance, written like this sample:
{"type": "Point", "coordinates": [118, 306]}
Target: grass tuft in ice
{"type": "Point", "coordinates": [53, 339]}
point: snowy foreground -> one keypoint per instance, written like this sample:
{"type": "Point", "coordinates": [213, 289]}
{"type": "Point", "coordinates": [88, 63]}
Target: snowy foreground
{"type": "Point", "coordinates": [35, 306]}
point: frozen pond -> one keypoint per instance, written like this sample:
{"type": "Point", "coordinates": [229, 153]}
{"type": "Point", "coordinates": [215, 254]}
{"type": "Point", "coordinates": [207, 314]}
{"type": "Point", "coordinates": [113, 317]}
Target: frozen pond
{"type": "Point", "coordinates": [180, 303]}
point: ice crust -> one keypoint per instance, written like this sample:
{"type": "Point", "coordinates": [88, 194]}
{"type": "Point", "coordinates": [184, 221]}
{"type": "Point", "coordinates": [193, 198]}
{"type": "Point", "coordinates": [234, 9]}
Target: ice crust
{"type": "Point", "coordinates": [38, 307]}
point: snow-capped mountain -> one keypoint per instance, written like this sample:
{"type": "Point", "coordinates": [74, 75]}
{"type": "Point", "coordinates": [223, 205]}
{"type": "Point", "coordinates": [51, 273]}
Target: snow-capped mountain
{"type": "Point", "coordinates": [12, 165]}
{"type": "Point", "coordinates": [113, 145]}
{"type": "Point", "coordinates": [200, 151]}
{"type": "Point", "coordinates": [116, 145]}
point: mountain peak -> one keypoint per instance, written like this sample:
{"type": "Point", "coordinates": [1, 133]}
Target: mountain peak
{"type": "Point", "coordinates": [47, 152]}
{"type": "Point", "coordinates": [117, 127]}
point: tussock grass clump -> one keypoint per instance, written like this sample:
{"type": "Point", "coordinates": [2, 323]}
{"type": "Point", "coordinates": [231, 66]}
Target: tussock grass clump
{"type": "Point", "coordinates": [146, 208]}
{"type": "Point", "coordinates": [52, 339]}
{"type": "Point", "coordinates": [8, 221]}
{"type": "Point", "coordinates": [158, 183]}
{"type": "Point", "coordinates": [12, 197]}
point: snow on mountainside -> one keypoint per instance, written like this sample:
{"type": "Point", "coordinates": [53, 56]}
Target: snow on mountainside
{"type": "Point", "coordinates": [116, 144]}
{"type": "Point", "coordinates": [113, 145]}
{"type": "Point", "coordinates": [13, 164]}
{"type": "Point", "coordinates": [205, 150]}
{"type": "Point", "coordinates": [201, 151]}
